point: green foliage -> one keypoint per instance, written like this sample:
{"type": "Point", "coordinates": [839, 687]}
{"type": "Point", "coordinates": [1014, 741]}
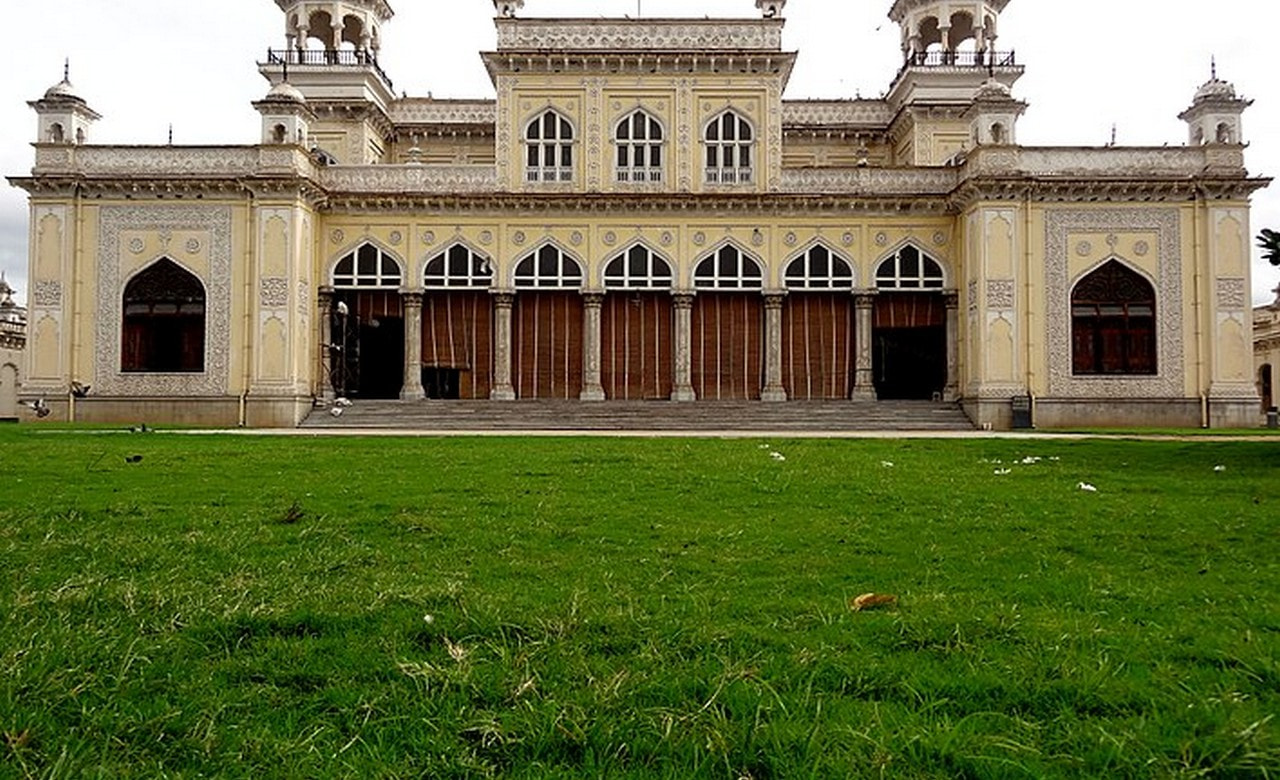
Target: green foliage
{"type": "Point", "coordinates": [1269, 242]}
{"type": "Point", "coordinates": [248, 606]}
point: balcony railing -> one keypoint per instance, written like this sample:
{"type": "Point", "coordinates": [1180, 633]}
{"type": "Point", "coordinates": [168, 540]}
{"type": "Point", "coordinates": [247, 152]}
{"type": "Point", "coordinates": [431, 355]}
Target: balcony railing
{"type": "Point", "coordinates": [959, 59]}
{"type": "Point", "coordinates": [328, 57]}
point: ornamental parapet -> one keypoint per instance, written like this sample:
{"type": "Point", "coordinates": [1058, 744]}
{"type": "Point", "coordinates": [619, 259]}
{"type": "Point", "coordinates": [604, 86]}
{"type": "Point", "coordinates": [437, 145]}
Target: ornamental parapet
{"type": "Point", "coordinates": [868, 181]}
{"type": "Point", "coordinates": [151, 161]}
{"type": "Point", "coordinates": [426, 111]}
{"type": "Point", "coordinates": [871, 114]}
{"type": "Point", "coordinates": [613, 35]}
{"type": "Point", "coordinates": [1105, 162]}
{"type": "Point", "coordinates": [409, 179]}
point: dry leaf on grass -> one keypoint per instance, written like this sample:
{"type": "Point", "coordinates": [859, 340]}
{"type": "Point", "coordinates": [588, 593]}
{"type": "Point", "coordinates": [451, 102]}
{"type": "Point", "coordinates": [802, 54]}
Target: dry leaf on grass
{"type": "Point", "coordinates": [873, 601]}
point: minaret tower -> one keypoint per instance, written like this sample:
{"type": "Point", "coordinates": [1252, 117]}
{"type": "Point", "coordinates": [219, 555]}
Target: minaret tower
{"type": "Point", "coordinates": [955, 88]}
{"type": "Point", "coordinates": [64, 117]}
{"type": "Point", "coordinates": [331, 62]}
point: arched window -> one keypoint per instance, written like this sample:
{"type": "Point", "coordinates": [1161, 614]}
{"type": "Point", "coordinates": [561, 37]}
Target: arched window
{"type": "Point", "coordinates": [909, 269]}
{"type": "Point", "coordinates": [56, 134]}
{"type": "Point", "coordinates": [639, 140]}
{"type": "Point", "coordinates": [637, 269]}
{"type": "Point", "coordinates": [1224, 133]}
{"type": "Point", "coordinates": [728, 269]}
{"type": "Point", "coordinates": [163, 321]}
{"type": "Point", "coordinates": [548, 267]}
{"type": "Point", "coordinates": [549, 148]}
{"type": "Point", "coordinates": [730, 140]}
{"type": "Point", "coordinates": [457, 267]}
{"type": "Point", "coordinates": [1113, 322]}
{"type": "Point", "coordinates": [819, 269]}
{"type": "Point", "coordinates": [368, 266]}
{"type": "Point", "coordinates": [278, 134]}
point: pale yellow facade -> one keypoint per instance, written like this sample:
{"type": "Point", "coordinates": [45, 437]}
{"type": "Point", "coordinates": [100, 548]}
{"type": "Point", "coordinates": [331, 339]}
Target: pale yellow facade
{"type": "Point", "coordinates": [933, 168]}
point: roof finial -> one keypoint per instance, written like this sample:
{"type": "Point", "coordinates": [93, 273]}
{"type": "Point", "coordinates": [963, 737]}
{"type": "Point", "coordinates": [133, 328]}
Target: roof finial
{"type": "Point", "coordinates": [66, 70]}
{"type": "Point", "coordinates": [171, 133]}
{"type": "Point", "coordinates": [1213, 67]}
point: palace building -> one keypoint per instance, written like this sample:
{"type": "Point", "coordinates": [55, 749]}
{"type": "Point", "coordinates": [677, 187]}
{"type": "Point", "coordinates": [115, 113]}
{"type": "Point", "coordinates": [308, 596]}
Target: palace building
{"type": "Point", "coordinates": [13, 339]}
{"type": "Point", "coordinates": [639, 212]}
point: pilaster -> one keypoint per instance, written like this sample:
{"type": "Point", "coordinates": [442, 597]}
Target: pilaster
{"type": "Point", "coordinates": [592, 390]}
{"type": "Point", "coordinates": [773, 390]}
{"type": "Point", "coordinates": [864, 302]}
{"type": "Point", "coordinates": [411, 390]}
{"type": "Point", "coordinates": [502, 387]}
{"type": "Point", "coordinates": [951, 391]}
{"type": "Point", "coordinates": [683, 348]}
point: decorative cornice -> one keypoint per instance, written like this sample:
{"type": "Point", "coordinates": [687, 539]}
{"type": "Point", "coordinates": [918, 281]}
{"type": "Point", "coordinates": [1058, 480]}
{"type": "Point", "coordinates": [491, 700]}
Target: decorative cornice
{"type": "Point", "coordinates": [614, 35]}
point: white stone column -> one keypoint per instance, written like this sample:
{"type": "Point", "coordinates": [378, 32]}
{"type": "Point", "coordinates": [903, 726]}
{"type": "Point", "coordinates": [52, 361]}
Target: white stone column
{"type": "Point", "coordinates": [502, 388]}
{"type": "Point", "coordinates": [411, 390]}
{"type": "Point", "coordinates": [951, 392]}
{"type": "Point", "coordinates": [592, 390]}
{"type": "Point", "coordinates": [325, 354]}
{"type": "Point", "coordinates": [864, 387]}
{"type": "Point", "coordinates": [683, 348]}
{"type": "Point", "coordinates": [773, 389]}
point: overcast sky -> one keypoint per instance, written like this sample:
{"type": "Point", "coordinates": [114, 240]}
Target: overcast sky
{"type": "Point", "coordinates": [1090, 64]}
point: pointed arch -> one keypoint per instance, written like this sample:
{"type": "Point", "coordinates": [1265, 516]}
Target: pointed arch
{"type": "Point", "coordinates": [549, 138]}
{"type": "Point", "coordinates": [369, 266]}
{"type": "Point", "coordinates": [639, 140]}
{"type": "Point", "coordinates": [728, 267]}
{"type": "Point", "coordinates": [163, 322]}
{"type": "Point", "coordinates": [638, 267]}
{"type": "Point", "coordinates": [819, 267]}
{"type": "Point", "coordinates": [548, 267]}
{"type": "Point", "coordinates": [1113, 321]}
{"type": "Point", "coordinates": [908, 267]}
{"type": "Point", "coordinates": [457, 266]}
{"type": "Point", "coordinates": [729, 141]}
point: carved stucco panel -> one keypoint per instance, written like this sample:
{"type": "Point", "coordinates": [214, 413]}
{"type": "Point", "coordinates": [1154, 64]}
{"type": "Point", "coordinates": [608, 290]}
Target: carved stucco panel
{"type": "Point", "coordinates": [1059, 225]}
{"type": "Point", "coordinates": [1231, 295]}
{"type": "Point", "coordinates": [214, 222]}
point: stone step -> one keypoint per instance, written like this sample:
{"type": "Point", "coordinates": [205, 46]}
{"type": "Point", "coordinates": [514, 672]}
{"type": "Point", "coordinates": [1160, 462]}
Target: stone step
{"type": "Point", "coordinates": [734, 416]}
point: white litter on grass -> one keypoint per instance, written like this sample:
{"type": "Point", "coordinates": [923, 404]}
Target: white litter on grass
{"type": "Point", "coordinates": [428, 618]}
{"type": "Point", "coordinates": [886, 464]}
{"type": "Point", "coordinates": [777, 455]}
{"type": "Point", "coordinates": [1219, 467]}
{"type": "Point", "coordinates": [1002, 472]}
{"type": "Point", "coordinates": [1088, 488]}
{"type": "Point", "coordinates": [1054, 457]}
{"type": "Point", "coordinates": [1031, 460]}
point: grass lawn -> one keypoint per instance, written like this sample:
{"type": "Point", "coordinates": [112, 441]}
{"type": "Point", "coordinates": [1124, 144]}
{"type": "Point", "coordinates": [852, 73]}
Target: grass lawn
{"type": "Point", "coordinates": [389, 607]}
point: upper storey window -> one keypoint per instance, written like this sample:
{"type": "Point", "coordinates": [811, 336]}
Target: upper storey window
{"type": "Point", "coordinates": [730, 141]}
{"type": "Point", "coordinates": [639, 140]}
{"type": "Point", "coordinates": [549, 149]}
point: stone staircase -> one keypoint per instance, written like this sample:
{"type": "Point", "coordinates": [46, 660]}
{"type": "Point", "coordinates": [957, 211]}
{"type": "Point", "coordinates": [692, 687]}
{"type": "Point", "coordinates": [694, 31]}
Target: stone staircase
{"type": "Point", "coordinates": [710, 416]}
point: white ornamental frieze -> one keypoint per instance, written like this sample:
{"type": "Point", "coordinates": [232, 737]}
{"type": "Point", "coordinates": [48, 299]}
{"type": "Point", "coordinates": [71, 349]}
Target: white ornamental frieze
{"type": "Point", "coordinates": [408, 179]}
{"type": "Point", "coordinates": [666, 35]}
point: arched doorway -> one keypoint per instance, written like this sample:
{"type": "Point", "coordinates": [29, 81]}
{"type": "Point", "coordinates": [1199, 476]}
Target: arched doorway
{"type": "Point", "coordinates": [164, 321]}
{"type": "Point", "coordinates": [728, 326]}
{"type": "Point", "coordinates": [817, 326]}
{"type": "Point", "coordinates": [636, 324]}
{"type": "Point", "coordinates": [1265, 387]}
{"type": "Point", "coordinates": [1113, 322]}
{"type": "Point", "coordinates": [909, 327]}
{"type": "Point", "coordinates": [367, 330]}
{"type": "Point", "coordinates": [547, 327]}
{"type": "Point", "coordinates": [457, 325]}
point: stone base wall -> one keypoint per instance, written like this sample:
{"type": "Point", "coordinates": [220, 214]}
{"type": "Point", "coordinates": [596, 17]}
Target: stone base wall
{"type": "Point", "coordinates": [222, 412]}
{"type": "Point", "coordinates": [276, 412]}
{"type": "Point", "coordinates": [997, 414]}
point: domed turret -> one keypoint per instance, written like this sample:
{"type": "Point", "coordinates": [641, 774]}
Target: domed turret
{"type": "Point", "coordinates": [1215, 113]}
{"type": "Point", "coordinates": [286, 117]}
{"type": "Point", "coordinates": [63, 116]}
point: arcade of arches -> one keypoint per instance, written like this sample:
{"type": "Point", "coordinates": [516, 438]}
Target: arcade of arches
{"type": "Point", "coordinates": [640, 337]}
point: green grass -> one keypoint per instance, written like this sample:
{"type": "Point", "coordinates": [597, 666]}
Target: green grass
{"type": "Point", "coordinates": [240, 606]}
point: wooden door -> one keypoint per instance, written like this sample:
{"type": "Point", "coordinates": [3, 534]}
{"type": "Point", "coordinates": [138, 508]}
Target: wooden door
{"type": "Point", "coordinates": [547, 344]}
{"type": "Point", "coordinates": [728, 345]}
{"type": "Point", "coordinates": [817, 345]}
{"type": "Point", "coordinates": [635, 345]}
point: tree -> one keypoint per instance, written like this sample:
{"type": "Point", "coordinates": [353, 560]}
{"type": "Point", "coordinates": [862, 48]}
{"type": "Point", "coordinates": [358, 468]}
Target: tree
{"type": "Point", "coordinates": [1269, 242]}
